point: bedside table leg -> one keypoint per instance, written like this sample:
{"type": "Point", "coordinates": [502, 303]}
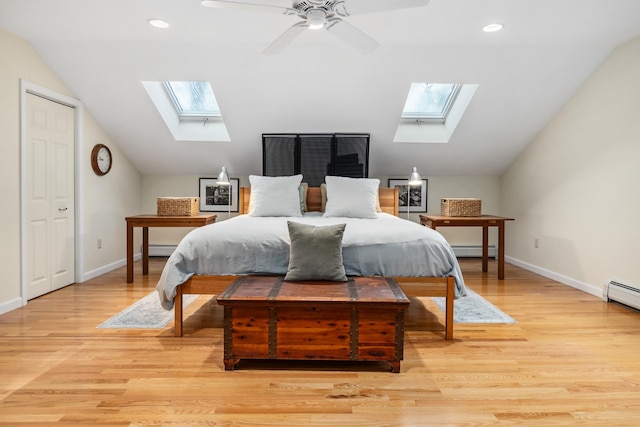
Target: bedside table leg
{"type": "Point", "coordinates": [485, 248]}
{"type": "Point", "coordinates": [129, 253]}
{"type": "Point", "coordinates": [145, 250]}
{"type": "Point", "coordinates": [501, 251]}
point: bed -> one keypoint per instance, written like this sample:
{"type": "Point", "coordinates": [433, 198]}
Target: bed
{"type": "Point", "coordinates": [210, 258]}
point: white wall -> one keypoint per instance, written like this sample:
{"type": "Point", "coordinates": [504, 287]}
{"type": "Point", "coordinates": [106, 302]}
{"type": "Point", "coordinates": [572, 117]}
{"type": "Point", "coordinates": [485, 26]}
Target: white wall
{"type": "Point", "coordinates": [105, 200]}
{"type": "Point", "coordinates": [485, 188]}
{"type": "Point", "coordinates": [576, 187]}
{"type": "Point", "coordinates": [108, 200]}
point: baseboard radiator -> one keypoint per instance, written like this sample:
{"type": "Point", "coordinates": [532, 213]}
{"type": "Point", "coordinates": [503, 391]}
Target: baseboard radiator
{"type": "Point", "coordinates": [622, 293]}
{"type": "Point", "coordinates": [474, 251]}
{"type": "Point", "coordinates": [161, 250]}
{"type": "Point", "coordinates": [460, 251]}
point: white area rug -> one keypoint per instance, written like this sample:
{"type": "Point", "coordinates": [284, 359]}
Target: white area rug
{"type": "Point", "coordinates": [146, 313]}
{"type": "Point", "coordinates": [474, 309]}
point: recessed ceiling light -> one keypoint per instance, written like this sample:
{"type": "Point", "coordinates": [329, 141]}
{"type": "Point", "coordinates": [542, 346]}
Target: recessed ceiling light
{"type": "Point", "coordinates": [158, 23]}
{"type": "Point", "coordinates": [492, 28]}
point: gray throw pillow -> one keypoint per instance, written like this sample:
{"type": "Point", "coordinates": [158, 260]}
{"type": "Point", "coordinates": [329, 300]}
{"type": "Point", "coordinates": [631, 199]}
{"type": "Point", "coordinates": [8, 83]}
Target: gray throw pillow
{"type": "Point", "coordinates": [316, 252]}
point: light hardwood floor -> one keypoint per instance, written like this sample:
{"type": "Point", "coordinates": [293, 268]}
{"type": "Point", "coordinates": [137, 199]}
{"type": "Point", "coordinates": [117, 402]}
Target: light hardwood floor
{"type": "Point", "coordinates": [571, 359]}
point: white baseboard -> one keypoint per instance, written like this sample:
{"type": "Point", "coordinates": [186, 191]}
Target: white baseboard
{"type": "Point", "coordinates": [88, 275]}
{"type": "Point", "coordinates": [585, 287]}
{"type": "Point", "coordinates": [10, 305]}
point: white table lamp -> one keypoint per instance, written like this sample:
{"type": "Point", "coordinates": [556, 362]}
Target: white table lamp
{"type": "Point", "coordinates": [414, 179]}
{"type": "Point", "coordinates": [223, 179]}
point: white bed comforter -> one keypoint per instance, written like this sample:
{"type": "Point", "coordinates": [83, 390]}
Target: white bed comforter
{"type": "Point", "coordinates": [385, 246]}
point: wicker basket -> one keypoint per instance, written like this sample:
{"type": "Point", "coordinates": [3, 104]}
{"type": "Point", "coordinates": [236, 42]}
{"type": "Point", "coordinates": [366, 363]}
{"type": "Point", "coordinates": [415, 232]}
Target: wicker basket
{"type": "Point", "coordinates": [461, 207]}
{"type": "Point", "coordinates": [178, 206]}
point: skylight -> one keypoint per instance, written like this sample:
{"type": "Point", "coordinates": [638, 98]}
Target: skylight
{"type": "Point", "coordinates": [189, 109]}
{"type": "Point", "coordinates": [430, 101]}
{"type": "Point", "coordinates": [432, 112]}
{"type": "Point", "coordinates": [193, 99]}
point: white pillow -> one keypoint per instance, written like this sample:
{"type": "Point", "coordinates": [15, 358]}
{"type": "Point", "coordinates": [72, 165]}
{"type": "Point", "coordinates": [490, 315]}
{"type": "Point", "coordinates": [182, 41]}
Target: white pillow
{"type": "Point", "coordinates": [351, 197]}
{"type": "Point", "coordinates": [275, 195]}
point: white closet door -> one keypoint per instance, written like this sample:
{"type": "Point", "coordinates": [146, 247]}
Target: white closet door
{"type": "Point", "coordinates": [50, 250]}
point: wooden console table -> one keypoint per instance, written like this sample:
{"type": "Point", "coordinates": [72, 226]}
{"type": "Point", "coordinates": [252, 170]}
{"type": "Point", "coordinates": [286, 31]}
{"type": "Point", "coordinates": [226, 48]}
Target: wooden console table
{"type": "Point", "coordinates": [146, 221]}
{"type": "Point", "coordinates": [484, 221]}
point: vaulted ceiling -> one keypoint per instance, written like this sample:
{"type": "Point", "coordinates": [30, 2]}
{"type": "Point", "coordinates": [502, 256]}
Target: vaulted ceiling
{"type": "Point", "coordinates": [103, 50]}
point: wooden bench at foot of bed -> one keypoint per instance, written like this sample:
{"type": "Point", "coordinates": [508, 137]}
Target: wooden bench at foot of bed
{"type": "Point", "coordinates": [411, 286]}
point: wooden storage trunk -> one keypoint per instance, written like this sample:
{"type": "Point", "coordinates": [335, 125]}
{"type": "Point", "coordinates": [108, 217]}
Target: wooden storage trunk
{"type": "Point", "coordinates": [460, 207]}
{"type": "Point", "coordinates": [179, 206]}
{"type": "Point", "coordinates": [268, 318]}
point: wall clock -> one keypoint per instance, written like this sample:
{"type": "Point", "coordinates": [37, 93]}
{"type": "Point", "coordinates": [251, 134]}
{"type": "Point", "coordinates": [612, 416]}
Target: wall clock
{"type": "Point", "coordinates": [101, 159]}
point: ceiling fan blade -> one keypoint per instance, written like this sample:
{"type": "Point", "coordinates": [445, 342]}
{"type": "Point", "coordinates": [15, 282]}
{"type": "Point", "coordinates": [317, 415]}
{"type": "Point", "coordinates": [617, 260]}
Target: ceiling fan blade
{"type": "Point", "coordinates": [279, 6]}
{"type": "Point", "coordinates": [358, 7]}
{"type": "Point", "coordinates": [351, 35]}
{"type": "Point", "coordinates": [286, 38]}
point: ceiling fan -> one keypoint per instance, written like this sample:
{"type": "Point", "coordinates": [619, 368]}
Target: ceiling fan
{"type": "Point", "coordinates": [317, 14]}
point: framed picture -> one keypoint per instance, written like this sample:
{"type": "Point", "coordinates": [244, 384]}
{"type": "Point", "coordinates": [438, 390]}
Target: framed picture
{"type": "Point", "coordinates": [215, 197]}
{"type": "Point", "coordinates": [416, 197]}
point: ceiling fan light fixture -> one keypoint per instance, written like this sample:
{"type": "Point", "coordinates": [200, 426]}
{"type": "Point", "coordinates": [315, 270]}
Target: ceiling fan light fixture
{"type": "Point", "coordinates": [316, 18]}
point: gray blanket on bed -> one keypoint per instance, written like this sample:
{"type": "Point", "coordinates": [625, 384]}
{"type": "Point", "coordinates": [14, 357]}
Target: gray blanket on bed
{"type": "Point", "coordinates": [384, 246]}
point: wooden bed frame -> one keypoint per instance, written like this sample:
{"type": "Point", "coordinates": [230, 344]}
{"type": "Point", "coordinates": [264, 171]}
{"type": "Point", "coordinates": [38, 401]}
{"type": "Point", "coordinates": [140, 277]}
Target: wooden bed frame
{"type": "Point", "coordinates": [412, 286]}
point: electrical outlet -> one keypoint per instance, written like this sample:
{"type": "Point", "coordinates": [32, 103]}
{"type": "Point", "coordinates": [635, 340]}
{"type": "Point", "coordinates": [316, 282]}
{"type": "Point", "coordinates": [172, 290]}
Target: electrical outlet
{"type": "Point", "coordinates": [535, 243]}
{"type": "Point", "coordinates": [99, 242]}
